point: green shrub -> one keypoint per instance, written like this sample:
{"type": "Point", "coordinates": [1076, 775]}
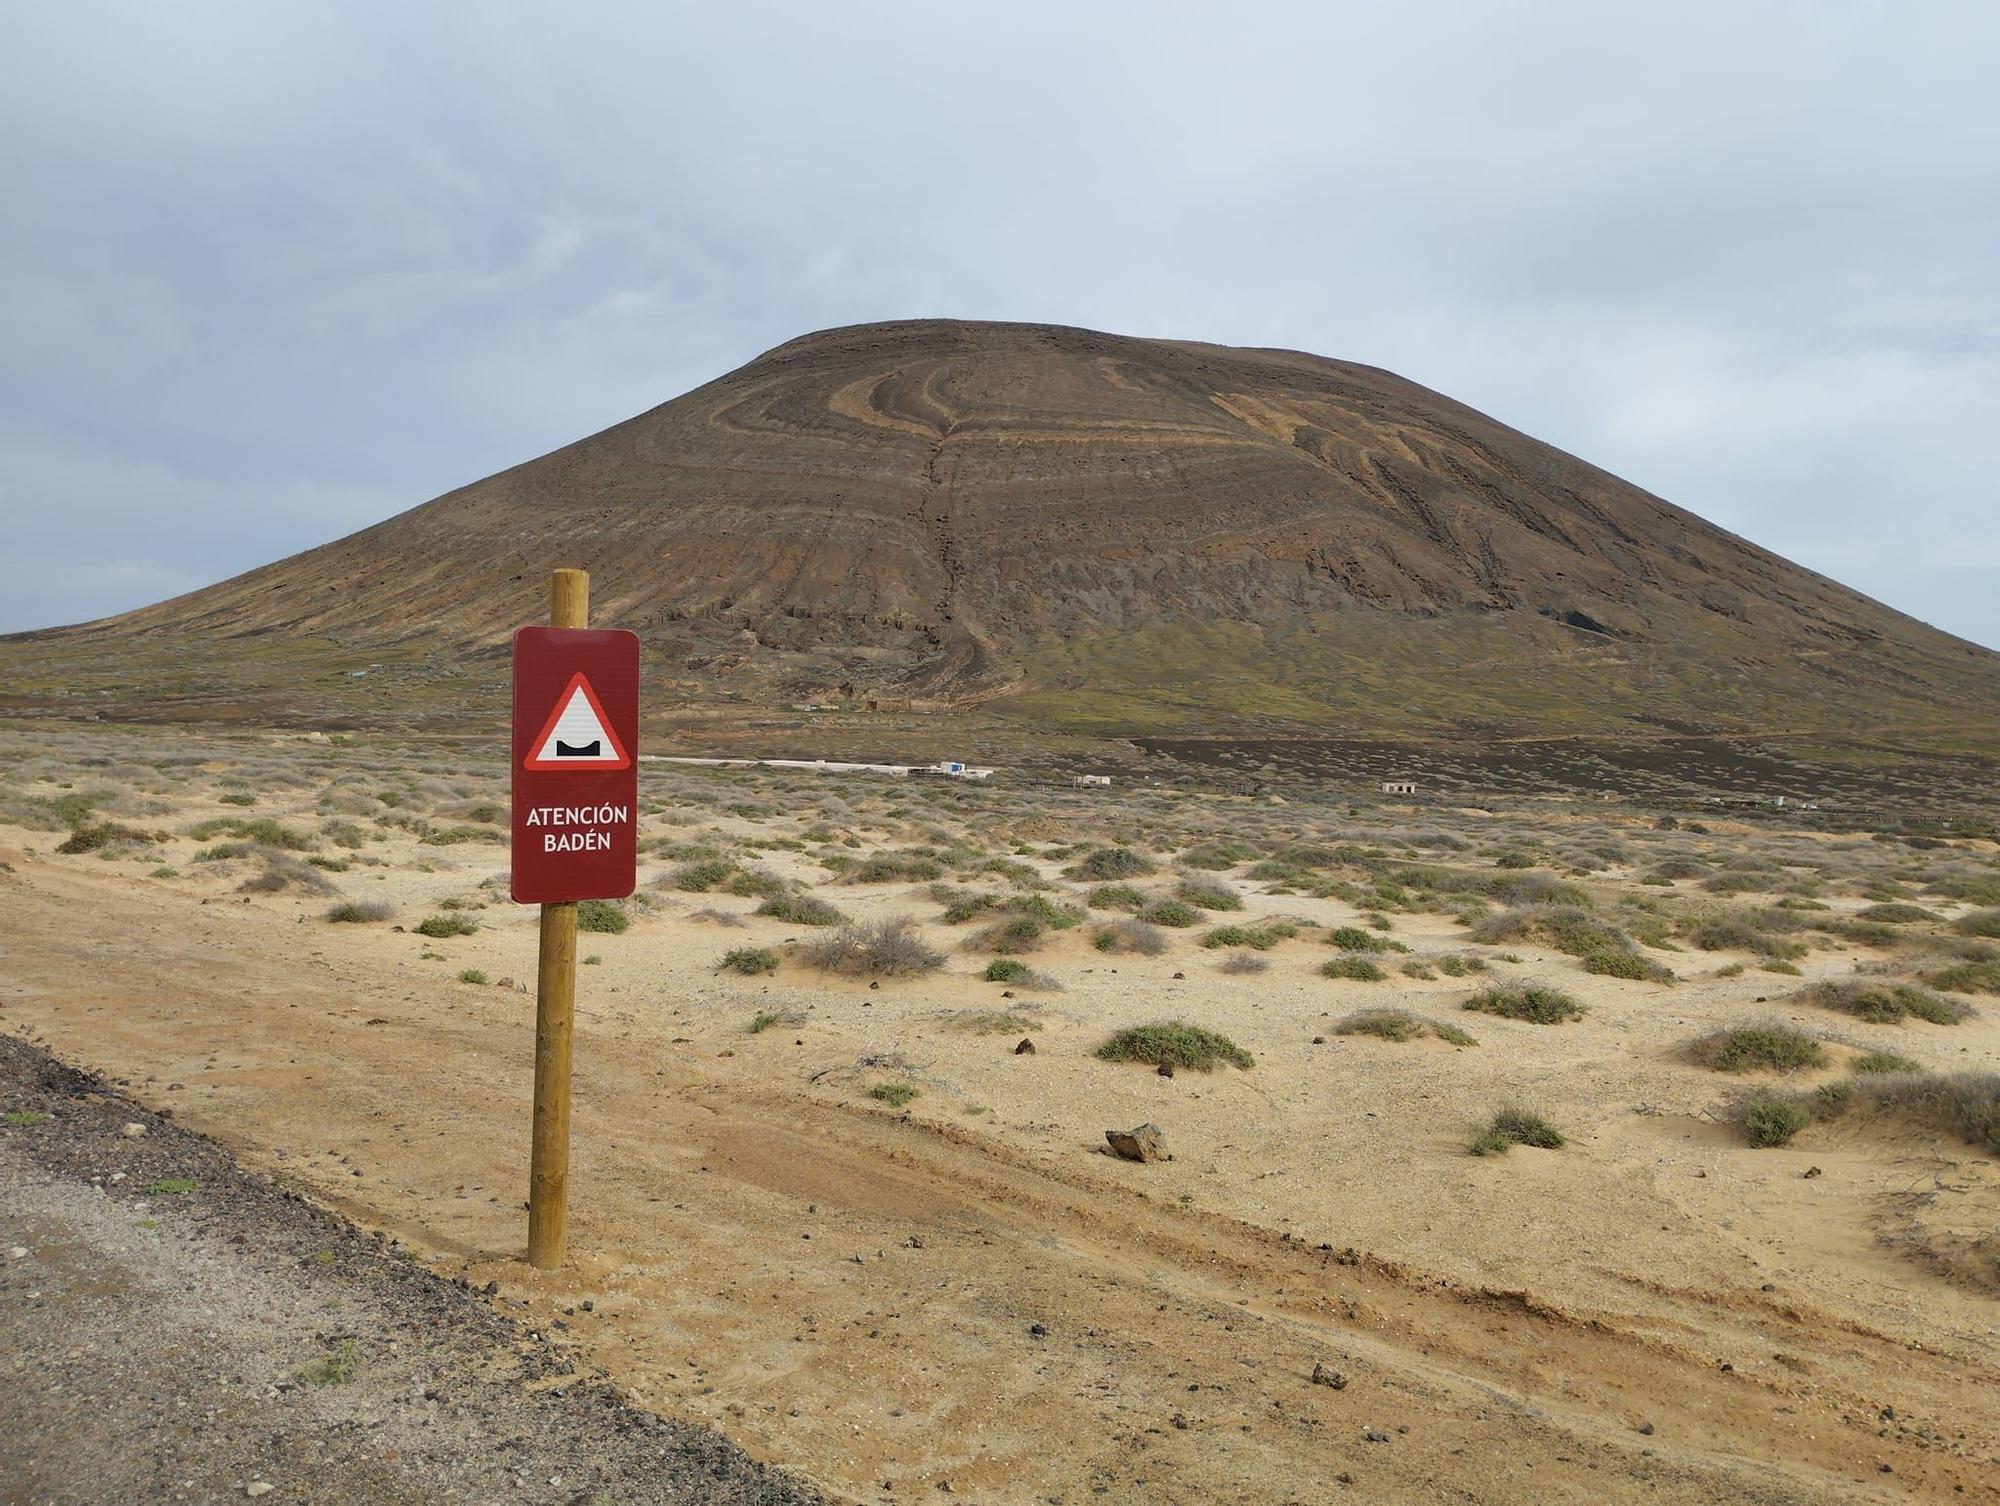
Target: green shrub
{"type": "Point", "coordinates": [1885, 1003]}
{"type": "Point", "coordinates": [601, 915]}
{"type": "Point", "coordinates": [360, 912]}
{"type": "Point", "coordinates": [335, 1368]}
{"type": "Point", "coordinates": [1174, 1043]}
{"type": "Point", "coordinates": [1039, 907]}
{"type": "Point", "coordinates": [1118, 897]}
{"type": "Point", "coordinates": [1760, 1048]}
{"type": "Point", "coordinates": [1568, 928]}
{"type": "Point", "coordinates": [264, 831]}
{"type": "Point", "coordinates": [1675, 868]}
{"type": "Point", "coordinates": [700, 876]}
{"type": "Point", "coordinates": [1978, 923]}
{"type": "Point", "coordinates": [1773, 1121]}
{"type": "Point", "coordinates": [1111, 863]}
{"type": "Point", "coordinates": [1459, 966]}
{"type": "Point", "coordinates": [1218, 854]}
{"type": "Point", "coordinates": [1729, 935]}
{"type": "Point", "coordinates": [1386, 1024]}
{"type": "Point", "coordinates": [895, 1094]}
{"type": "Point", "coordinates": [1257, 938]}
{"type": "Point", "coordinates": [1357, 968]}
{"type": "Point", "coordinates": [472, 975]}
{"type": "Point", "coordinates": [1896, 914]}
{"type": "Point", "coordinates": [801, 910]}
{"type": "Point", "coordinates": [103, 834]}
{"type": "Point", "coordinates": [440, 926]}
{"type": "Point", "coordinates": [1283, 875]}
{"type": "Point", "coordinates": [1538, 889]}
{"type": "Point", "coordinates": [1883, 1061]}
{"type": "Point", "coordinates": [1451, 1035]}
{"type": "Point", "coordinates": [1207, 894]}
{"type": "Point", "coordinates": [1978, 889]}
{"type": "Point", "coordinates": [755, 884]}
{"type": "Point", "coordinates": [1170, 912]}
{"type": "Point", "coordinates": [750, 961]}
{"type": "Point", "coordinates": [1616, 963]}
{"type": "Point", "coordinates": [1512, 1127]}
{"type": "Point", "coordinates": [1354, 939]}
{"type": "Point", "coordinates": [1533, 1002]}
{"type": "Point", "coordinates": [1005, 970]}
{"type": "Point", "coordinates": [960, 905]}
{"type": "Point", "coordinates": [1967, 978]}
{"type": "Point", "coordinates": [892, 867]}
{"type": "Point", "coordinates": [1021, 934]}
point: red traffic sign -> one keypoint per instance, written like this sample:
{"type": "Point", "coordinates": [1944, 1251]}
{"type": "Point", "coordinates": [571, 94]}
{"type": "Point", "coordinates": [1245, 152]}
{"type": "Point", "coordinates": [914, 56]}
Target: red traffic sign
{"type": "Point", "coordinates": [576, 768]}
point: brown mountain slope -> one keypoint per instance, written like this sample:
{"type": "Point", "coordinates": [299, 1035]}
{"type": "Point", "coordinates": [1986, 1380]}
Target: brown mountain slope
{"type": "Point", "coordinates": [1116, 534]}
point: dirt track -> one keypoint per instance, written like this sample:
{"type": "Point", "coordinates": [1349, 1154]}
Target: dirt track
{"type": "Point", "coordinates": [890, 1304]}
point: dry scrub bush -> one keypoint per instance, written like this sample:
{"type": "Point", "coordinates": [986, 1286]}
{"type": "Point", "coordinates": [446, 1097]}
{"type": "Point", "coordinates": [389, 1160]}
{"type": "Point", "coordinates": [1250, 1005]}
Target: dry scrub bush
{"type": "Point", "coordinates": [884, 948]}
{"type": "Point", "coordinates": [283, 872]}
{"type": "Point", "coordinates": [1134, 936]}
{"type": "Point", "coordinates": [360, 912]}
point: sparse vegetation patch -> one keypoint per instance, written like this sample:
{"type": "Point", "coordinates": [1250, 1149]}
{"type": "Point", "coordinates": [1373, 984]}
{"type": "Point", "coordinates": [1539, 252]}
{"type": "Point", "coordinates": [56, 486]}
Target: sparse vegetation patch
{"type": "Point", "coordinates": [892, 948]}
{"type": "Point", "coordinates": [750, 961]}
{"type": "Point", "coordinates": [1534, 1002]}
{"type": "Point", "coordinates": [1884, 1002]}
{"type": "Point", "coordinates": [1516, 1126]}
{"type": "Point", "coordinates": [1760, 1048]}
{"type": "Point", "coordinates": [1174, 1043]}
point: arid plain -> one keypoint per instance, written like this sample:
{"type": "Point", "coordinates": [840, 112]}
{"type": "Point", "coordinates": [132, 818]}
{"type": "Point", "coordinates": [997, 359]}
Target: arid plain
{"type": "Point", "coordinates": [824, 1197]}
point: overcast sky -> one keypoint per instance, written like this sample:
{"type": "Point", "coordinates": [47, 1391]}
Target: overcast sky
{"type": "Point", "coordinates": [272, 272]}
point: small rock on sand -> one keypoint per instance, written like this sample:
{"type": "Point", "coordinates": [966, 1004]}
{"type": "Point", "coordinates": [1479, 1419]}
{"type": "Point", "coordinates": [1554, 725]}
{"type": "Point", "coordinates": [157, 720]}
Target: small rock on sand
{"type": "Point", "coordinates": [1146, 1143]}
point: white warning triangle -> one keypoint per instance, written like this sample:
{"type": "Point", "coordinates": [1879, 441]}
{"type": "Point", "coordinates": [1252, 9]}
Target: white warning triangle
{"type": "Point", "coordinates": [577, 734]}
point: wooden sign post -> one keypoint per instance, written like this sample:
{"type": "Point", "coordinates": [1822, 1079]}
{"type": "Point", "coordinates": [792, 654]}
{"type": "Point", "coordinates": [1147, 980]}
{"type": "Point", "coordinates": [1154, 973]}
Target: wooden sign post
{"type": "Point", "coordinates": [555, 1017]}
{"type": "Point", "coordinates": [575, 837]}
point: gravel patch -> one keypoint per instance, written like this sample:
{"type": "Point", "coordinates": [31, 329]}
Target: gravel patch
{"type": "Point", "coordinates": [175, 1329]}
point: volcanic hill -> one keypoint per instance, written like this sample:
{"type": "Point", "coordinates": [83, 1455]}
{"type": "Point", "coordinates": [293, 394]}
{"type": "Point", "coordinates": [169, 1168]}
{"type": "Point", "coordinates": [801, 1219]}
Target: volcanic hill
{"type": "Point", "coordinates": [1089, 533]}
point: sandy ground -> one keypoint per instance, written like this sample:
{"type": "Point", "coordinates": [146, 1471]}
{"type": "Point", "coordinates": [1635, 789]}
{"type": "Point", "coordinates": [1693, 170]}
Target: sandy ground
{"type": "Point", "coordinates": [969, 1294]}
